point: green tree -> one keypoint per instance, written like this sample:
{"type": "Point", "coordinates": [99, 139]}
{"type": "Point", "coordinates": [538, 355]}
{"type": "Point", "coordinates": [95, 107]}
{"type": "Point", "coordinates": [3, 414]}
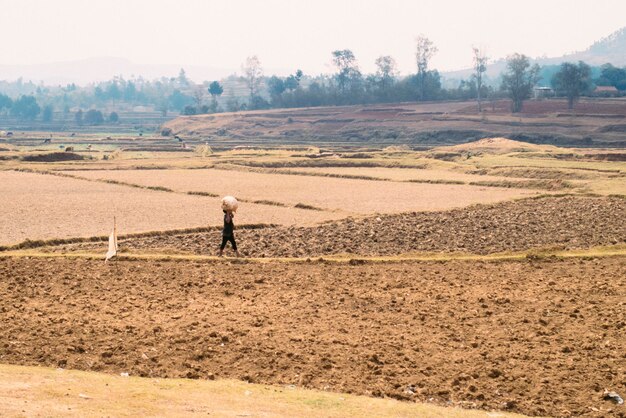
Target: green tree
{"type": "Point", "coordinates": [178, 100]}
{"type": "Point", "coordinates": [386, 73]}
{"type": "Point", "coordinates": [78, 117]}
{"type": "Point", "coordinates": [26, 107]}
{"type": "Point", "coordinates": [612, 76]}
{"type": "Point", "coordinates": [215, 90]}
{"type": "Point", "coordinates": [276, 87]}
{"type": "Point", "coordinates": [293, 81]}
{"type": "Point", "coordinates": [114, 117]}
{"type": "Point", "coordinates": [113, 91]}
{"type": "Point", "coordinates": [47, 113]}
{"type": "Point", "coordinates": [572, 80]}
{"type": "Point", "coordinates": [198, 96]}
{"type": "Point", "coordinates": [130, 91]}
{"type": "Point", "coordinates": [5, 102]}
{"type": "Point", "coordinates": [93, 117]}
{"type": "Point", "coordinates": [519, 79]}
{"type": "Point", "coordinates": [182, 79]}
{"type": "Point", "coordinates": [189, 110]}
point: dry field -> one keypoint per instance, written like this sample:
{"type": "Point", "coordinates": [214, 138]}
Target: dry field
{"type": "Point", "coordinates": [562, 222]}
{"type": "Point", "coordinates": [348, 196]}
{"type": "Point", "coordinates": [592, 123]}
{"type": "Point", "coordinates": [535, 337]}
{"type": "Point", "coordinates": [37, 206]}
{"type": "Point", "coordinates": [435, 175]}
{"type": "Point", "coordinates": [333, 297]}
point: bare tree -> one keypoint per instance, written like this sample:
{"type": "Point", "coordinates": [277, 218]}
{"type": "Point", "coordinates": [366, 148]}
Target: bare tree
{"type": "Point", "coordinates": [424, 51]}
{"type": "Point", "coordinates": [386, 71]}
{"type": "Point", "coordinates": [252, 74]}
{"type": "Point", "coordinates": [480, 67]}
{"type": "Point", "coordinates": [348, 73]}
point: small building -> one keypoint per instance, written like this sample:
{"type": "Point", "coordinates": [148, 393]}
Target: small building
{"type": "Point", "coordinates": [543, 92]}
{"type": "Point", "coordinates": [606, 91]}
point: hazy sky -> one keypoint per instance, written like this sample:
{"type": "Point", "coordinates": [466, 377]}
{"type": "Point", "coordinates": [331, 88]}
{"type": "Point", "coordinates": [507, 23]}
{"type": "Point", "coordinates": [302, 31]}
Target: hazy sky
{"type": "Point", "coordinates": [297, 33]}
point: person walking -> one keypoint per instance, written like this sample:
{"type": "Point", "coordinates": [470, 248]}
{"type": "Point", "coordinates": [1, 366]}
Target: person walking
{"type": "Point", "coordinates": [228, 233]}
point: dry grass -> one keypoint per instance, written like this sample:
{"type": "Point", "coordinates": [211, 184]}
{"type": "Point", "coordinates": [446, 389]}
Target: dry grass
{"type": "Point", "coordinates": [497, 146]}
{"type": "Point", "coordinates": [39, 391]}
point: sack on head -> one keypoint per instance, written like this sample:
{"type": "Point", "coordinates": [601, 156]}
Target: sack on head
{"type": "Point", "coordinates": [230, 204]}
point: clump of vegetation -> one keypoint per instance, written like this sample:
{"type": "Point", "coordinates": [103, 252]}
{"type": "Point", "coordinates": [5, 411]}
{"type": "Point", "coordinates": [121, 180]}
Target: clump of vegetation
{"type": "Point", "coordinates": [53, 157]}
{"type": "Point", "coordinates": [203, 150]}
{"type": "Point", "coordinates": [116, 154]}
{"type": "Point", "coordinates": [305, 206]}
{"type": "Point", "coordinates": [397, 148]}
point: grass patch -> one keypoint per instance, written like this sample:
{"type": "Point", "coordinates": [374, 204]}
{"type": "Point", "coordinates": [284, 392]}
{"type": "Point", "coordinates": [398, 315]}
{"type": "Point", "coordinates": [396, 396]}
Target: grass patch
{"type": "Point", "coordinates": [269, 203]}
{"type": "Point", "coordinates": [525, 184]}
{"type": "Point", "coordinates": [306, 207]}
{"type": "Point", "coordinates": [435, 181]}
{"type": "Point", "coordinates": [54, 157]}
{"type": "Point", "coordinates": [207, 194]}
{"type": "Point", "coordinates": [159, 189]}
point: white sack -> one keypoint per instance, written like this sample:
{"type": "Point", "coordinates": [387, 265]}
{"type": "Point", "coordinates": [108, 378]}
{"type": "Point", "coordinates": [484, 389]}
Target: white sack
{"type": "Point", "coordinates": [230, 204]}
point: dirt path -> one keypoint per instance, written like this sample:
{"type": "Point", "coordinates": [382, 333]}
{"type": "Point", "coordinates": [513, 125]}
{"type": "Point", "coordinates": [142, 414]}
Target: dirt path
{"type": "Point", "coordinates": [541, 338]}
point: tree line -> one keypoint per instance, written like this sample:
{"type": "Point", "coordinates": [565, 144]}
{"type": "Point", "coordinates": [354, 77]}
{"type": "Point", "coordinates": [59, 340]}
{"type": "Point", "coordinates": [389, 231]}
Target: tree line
{"type": "Point", "coordinates": [347, 85]}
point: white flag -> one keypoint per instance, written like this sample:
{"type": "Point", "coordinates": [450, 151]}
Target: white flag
{"type": "Point", "coordinates": [112, 243]}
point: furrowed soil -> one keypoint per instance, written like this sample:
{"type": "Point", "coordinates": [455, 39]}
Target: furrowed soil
{"type": "Point", "coordinates": [536, 337]}
{"type": "Point", "coordinates": [566, 222]}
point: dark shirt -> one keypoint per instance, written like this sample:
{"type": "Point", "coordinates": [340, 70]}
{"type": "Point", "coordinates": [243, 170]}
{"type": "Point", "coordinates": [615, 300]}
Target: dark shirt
{"type": "Point", "coordinates": [228, 225]}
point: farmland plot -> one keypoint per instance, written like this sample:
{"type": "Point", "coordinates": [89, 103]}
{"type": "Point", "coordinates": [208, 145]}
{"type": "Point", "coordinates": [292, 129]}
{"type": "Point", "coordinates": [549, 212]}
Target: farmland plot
{"type": "Point", "coordinates": [349, 196]}
{"type": "Point", "coordinates": [36, 206]}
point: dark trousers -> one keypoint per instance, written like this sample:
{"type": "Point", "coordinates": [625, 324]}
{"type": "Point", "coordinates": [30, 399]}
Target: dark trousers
{"type": "Point", "coordinates": [230, 238]}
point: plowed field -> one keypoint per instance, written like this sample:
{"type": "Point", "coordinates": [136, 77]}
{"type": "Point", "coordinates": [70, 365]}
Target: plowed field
{"type": "Point", "coordinates": [564, 222]}
{"type": "Point", "coordinates": [540, 338]}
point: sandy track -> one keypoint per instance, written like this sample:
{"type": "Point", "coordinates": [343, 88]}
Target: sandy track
{"type": "Point", "coordinates": [533, 337]}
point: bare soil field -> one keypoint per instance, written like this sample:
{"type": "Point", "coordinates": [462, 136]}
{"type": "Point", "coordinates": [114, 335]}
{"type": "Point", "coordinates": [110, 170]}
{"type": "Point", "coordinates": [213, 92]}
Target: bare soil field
{"type": "Point", "coordinates": [536, 337]}
{"type": "Point", "coordinates": [610, 108]}
{"type": "Point", "coordinates": [557, 222]}
{"type": "Point", "coordinates": [36, 206]}
{"type": "Point", "coordinates": [348, 196]}
{"type": "Point", "coordinates": [592, 123]}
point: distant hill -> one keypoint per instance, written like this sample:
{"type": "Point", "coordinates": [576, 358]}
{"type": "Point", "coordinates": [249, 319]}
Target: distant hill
{"type": "Point", "coordinates": [609, 49]}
